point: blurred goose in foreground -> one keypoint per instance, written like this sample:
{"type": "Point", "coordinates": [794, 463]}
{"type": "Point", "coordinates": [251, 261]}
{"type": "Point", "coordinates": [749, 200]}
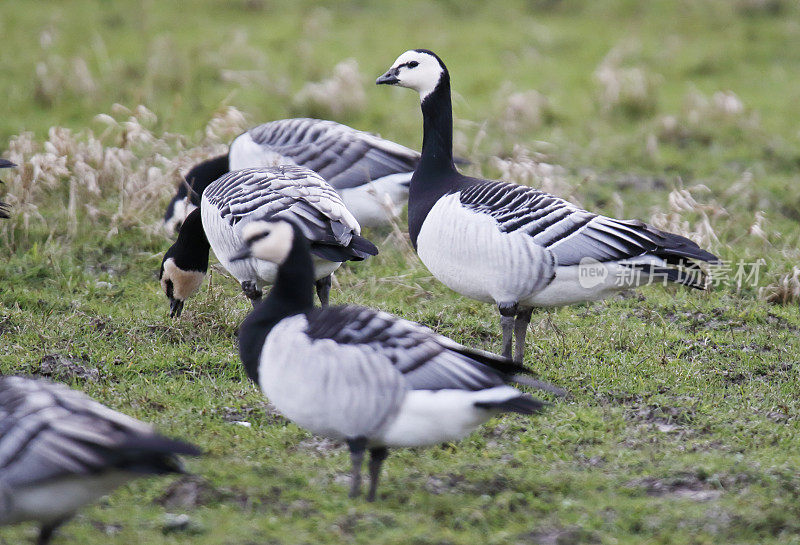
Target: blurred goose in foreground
{"type": "Point", "coordinates": [513, 245]}
{"type": "Point", "coordinates": [4, 163]}
{"type": "Point", "coordinates": [240, 197]}
{"type": "Point", "coordinates": [60, 450]}
{"type": "Point", "coordinates": [370, 173]}
{"type": "Point", "coordinates": [360, 375]}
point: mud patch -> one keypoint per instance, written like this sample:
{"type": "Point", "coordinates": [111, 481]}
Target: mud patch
{"type": "Point", "coordinates": [66, 368]}
{"type": "Point", "coordinates": [319, 446]}
{"type": "Point", "coordinates": [189, 492]}
{"type": "Point", "coordinates": [684, 486]}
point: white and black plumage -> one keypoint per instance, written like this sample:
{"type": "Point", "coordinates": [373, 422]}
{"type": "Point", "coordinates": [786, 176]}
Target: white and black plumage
{"type": "Point", "coordinates": [360, 375]}
{"type": "Point", "coordinates": [4, 163]}
{"type": "Point", "coordinates": [513, 245]}
{"type": "Point", "coordinates": [242, 196]}
{"type": "Point", "coordinates": [370, 173]}
{"type": "Point", "coordinates": [60, 450]}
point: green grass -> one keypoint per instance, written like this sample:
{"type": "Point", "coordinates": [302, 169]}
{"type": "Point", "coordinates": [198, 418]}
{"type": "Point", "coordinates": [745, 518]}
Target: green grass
{"type": "Point", "coordinates": [682, 424]}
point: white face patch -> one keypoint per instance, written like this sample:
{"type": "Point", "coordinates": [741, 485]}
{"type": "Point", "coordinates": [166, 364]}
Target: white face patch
{"type": "Point", "coordinates": [271, 241]}
{"type": "Point", "coordinates": [423, 76]}
{"type": "Point", "coordinates": [184, 283]}
{"type": "Point", "coordinates": [182, 208]}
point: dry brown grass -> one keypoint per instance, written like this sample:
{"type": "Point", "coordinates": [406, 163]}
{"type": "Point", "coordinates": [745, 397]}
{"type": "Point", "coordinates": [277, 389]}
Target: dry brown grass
{"type": "Point", "coordinates": [108, 179]}
{"type": "Point", "coordinates": [341, 93]}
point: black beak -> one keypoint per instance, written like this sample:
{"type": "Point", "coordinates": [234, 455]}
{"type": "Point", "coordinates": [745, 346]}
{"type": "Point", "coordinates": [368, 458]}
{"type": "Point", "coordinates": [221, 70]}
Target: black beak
{"type": "Point", "coordinates": [244, 253]}
{"type": "Point", "coordinates": [175, 308]}
{"type": "Point", "coordinates": [389, 78]}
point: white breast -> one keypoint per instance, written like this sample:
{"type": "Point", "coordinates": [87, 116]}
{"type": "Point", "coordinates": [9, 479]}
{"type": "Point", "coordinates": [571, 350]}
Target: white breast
{"type": "Point", "coordinates": [467, 252]}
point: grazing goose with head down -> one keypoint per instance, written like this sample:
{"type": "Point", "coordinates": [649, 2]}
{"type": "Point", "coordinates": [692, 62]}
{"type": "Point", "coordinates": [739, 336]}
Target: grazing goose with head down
{"type": "Point", "coordinates": [240, 197]}
{"type": "Point", "coordinates": [514, 245]}
{"type": "Point", "coordinates": [360, 375]}
{"type": "Point", "coordinates": [370, 173]}
{"type": "Point", "coordinates": [4, 163]}
{"type": "Point", "coordinates": [60, 450]}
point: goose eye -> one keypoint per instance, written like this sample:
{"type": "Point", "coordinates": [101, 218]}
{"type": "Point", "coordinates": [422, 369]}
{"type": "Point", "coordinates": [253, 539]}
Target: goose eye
{"type": "Point", "coordinates": [413, 64]}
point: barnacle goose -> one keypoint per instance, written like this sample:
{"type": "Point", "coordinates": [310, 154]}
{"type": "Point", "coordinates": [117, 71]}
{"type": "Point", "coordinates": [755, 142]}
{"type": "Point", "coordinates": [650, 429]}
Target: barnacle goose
{"type": "Point", "coordinates": [371, 174]}
{"type": "Point", "coordinates": [60, 450]}
{"type": "Point", "coordinates": [3, 206]}
{"type": "Point", "coordinates": [243, 196]}
{"type": "Point", "coordinates": [514, 245]}
{"type": "Point", "coordinates": [363, 376]}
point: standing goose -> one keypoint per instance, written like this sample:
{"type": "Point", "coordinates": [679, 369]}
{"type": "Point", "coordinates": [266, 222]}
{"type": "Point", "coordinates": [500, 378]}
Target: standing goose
{"type": "Point", "coordinates": [3, 206]}
{"type": "Point", "coordinates": [513, 245]}
{"type": "Point", "coordinates": [363, 376]}
{"type": "Point", "coordinates": [243, 196]}
{"type": "Point", "coordinates": [371, 174]}
{"type": "Point", "coordinates": [60, 450]}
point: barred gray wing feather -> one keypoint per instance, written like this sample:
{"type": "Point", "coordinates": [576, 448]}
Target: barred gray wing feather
{"type": "Point", "coordinates": [343, 156]}
{"type": "Point", "coordinates": [415, 351]}
{"type": "Point", "coordinates": [570, 233]}
{"type": "Point", "coordinates": [48, 430]}
{"type": "Point", "coordinates": [284, 192]}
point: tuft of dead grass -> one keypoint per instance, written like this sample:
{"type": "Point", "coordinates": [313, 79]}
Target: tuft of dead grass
{"type": "Point", "coordinates": [337, 95]}
{"type": "Point", "coordinates": [783, 290]}
{"type": "Point", "coordinates": [630, 90]}
{"type": "Point", "coordinates": [108, 179]}
{"type": "Point", "coordinates": [689, 217]}
{"type": "Point", "coordinates": [529, 168]}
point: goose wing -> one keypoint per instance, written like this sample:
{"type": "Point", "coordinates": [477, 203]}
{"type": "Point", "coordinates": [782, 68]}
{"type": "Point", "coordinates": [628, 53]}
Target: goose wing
{"type": "Point", "coordinates": [427, 361]}
{"type": "Point", "coordinates": [571, 233]}
{"type": "Point", "coordinates": [48, 431]}
{"type": "Point", "coordinates": [343, 156]}
{"type": "Point", "coordinates": [287, 192]}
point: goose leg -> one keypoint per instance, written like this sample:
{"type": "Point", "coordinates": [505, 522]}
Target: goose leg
{"type": "Point", "coordinates": [507, 313]}
{"type": "Point", "coordinates": [47, 531]}
{"type": "Point", "coordinates": [357, 447]}
{"type": "Point", "coordinates": [324, 290]}
{"type": "Point", "coordinates": [376, 458]}
{"type": "Point", "coordinates": [520, 329]}
{"type": "Point", "coordinates": [252, 292]}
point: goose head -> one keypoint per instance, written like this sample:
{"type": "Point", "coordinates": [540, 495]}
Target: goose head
{"type": "Point", "coordinates": [417, 69]}
{"type": "Point", "coordinates": [185, 264]}
{"type": "Point", "coordinates": [267, 240]}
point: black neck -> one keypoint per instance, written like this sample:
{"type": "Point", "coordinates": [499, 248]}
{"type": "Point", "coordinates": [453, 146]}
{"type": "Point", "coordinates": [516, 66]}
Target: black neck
{"type": "Point", "coordinates": [292, 293]}
{"type": "Point", "coordinates": [202, 175]}
{"type": "Point", "coordinates": [437, 114]}
{"type": "Point", "coordinates": [436, 175]}
{"type": "Point", "coordinates": [190, 250]}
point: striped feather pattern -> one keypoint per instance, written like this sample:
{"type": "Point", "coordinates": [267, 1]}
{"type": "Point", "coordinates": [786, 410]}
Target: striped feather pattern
{"type": "Point", "coordinates": [423, 358]}
{"type": "Point", "coordinates": [49, 431]}
{"type": "Point", "coordinates": [288, 192]}
{"type": "Point", "coordinates": [343, 156]}
{"type": "Point", "coordinates": [570, 233]}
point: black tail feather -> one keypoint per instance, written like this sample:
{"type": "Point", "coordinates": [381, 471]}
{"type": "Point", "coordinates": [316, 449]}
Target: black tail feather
{"type": "Point", "coordinates": [358, 250]}
{"type": "Point", "coordinates": [5, 163]}
{"type": "Point", "coordinates": [524, 404]}
{"type": "Point", "coordinates": [512, 372]}
{"type": "Point", "coordinates": [678, 250]}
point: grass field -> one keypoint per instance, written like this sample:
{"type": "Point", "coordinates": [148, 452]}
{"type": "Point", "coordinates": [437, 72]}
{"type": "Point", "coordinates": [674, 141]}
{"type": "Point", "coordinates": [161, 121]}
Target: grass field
{"type": "Point", "coordinates": [682, 424]}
